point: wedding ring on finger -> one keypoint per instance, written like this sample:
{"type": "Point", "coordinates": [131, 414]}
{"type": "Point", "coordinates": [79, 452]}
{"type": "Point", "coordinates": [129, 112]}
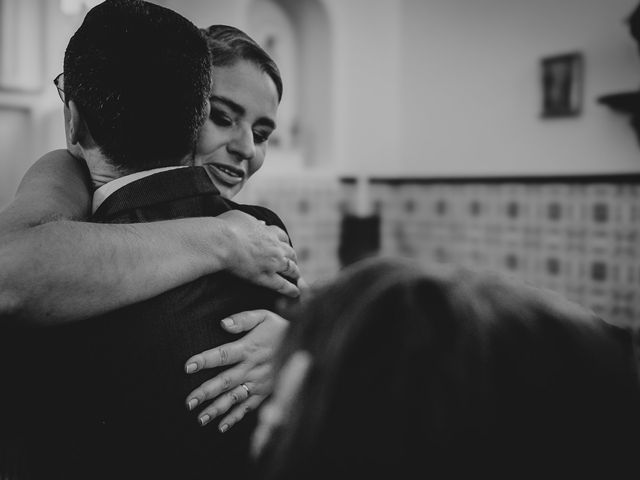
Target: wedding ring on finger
{"type": "Point", "coordinates": [288, 267]}
{"type": "Point", "coordinates": [244, 385]}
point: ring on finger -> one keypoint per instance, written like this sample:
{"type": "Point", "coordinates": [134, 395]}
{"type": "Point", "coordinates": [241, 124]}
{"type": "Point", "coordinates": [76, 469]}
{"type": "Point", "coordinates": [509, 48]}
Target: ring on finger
{"type": "Point", "coordinates": [244, 385]}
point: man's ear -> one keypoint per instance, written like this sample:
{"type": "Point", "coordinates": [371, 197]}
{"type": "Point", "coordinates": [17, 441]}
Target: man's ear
{"type": "Point", "coordinates": [77, 126]}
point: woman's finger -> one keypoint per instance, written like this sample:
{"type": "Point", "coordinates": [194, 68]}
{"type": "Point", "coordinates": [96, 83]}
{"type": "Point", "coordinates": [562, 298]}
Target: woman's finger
{"type": "Point", "coordinates": [235, 396]}
{"type": "Point", "coordinates": [290, 269]}
{"type": "Point", "coordinates": [282, 285]}
{"type": "Point", "coordinates": [280, 233]}
{"type": "Point", "coordinates": [244, 321]}
{"type": "Point", "coordinates": [213, 388]}
{"type": "Point", "coordinates": [226, 389]}
{"type": "Point", "coordinates": [227, 354]}
{"type": "Point", "coordinates": [239, 412]}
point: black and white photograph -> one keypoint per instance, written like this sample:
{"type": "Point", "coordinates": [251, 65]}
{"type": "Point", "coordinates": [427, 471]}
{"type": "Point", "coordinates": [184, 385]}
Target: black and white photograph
{"type": "Point", "coordinates": [319, 239]}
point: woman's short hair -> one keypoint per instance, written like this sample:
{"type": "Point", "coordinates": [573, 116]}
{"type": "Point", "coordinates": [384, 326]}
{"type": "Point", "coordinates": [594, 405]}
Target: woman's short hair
{"type": "Point", "coordinates": [227, 45]}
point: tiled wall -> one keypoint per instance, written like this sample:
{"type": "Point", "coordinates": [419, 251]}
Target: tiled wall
{"type": "Point", "coordinates": [309, 206]}
{"type": "Point", "coordinates": [578, 236]}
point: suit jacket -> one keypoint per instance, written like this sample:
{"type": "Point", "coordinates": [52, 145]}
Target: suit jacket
{"type": "Point", "coordinates": [121, 410]}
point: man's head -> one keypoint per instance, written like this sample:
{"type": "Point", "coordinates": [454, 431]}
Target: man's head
{"type": "Point", "coordinates": [138, 76]}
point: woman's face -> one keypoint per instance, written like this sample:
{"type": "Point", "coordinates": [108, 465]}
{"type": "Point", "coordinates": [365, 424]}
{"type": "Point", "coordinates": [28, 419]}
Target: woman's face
{"type": "Point", "coordinates": [244, 104]}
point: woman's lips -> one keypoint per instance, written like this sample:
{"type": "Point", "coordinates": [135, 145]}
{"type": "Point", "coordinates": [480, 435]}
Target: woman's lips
{"type": "Point", "coordinates": [227, 174]}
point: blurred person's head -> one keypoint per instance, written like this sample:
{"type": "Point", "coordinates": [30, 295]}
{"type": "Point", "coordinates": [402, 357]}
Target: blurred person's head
{"type": "Point", "coordinates": [393, 369]}
{"type": "Point", "coordinates": [246, 92]}
{"type": "Point", "coordinates": [136, 81]}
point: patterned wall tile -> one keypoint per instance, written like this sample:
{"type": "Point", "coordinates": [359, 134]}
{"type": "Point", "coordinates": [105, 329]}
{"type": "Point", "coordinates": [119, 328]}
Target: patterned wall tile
{"type": "Point", "coordinates": [580, 239]}
{"type": "Point", "coordinates": [311, 208]}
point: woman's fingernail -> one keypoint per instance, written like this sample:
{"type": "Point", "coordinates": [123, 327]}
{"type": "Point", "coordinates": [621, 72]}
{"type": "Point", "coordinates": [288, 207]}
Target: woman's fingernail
{"type": "Point", "coordinates": [204, 419]}
{"type": "Point", "coordinates": [192, 403]}
{"type": "Point", "coordinates": [192, 367]}
{"type": "Point", "coordinates": [227, 322]}
{"type": "Point", "coordinates": [224, 428]}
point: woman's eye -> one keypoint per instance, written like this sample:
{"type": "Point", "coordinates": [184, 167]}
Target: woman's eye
{"type": "Point", "coordinates": [260, 137]}
{"type": "Point", "coordinates": [220, 118]}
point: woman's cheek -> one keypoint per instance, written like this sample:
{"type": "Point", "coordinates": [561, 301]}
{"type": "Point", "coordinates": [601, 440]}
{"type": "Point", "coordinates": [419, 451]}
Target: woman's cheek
{"type": "Point", "coordinates": [207, 138]}
{"type": "Point", "coordinates": [258, 161]}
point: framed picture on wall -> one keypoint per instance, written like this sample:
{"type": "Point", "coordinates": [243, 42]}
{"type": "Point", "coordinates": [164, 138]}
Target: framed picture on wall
{"type": "Point", "coordinates": [562, 82]}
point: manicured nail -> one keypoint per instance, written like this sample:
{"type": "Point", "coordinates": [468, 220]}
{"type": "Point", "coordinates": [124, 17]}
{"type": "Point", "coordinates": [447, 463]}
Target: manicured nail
{"type": "Point", "coordinates": [224, 428]}
{"type": "Point", "coordinates": [204, 419]}
{"type": "Point", "coordinates": [192, 403]}
{"type": "Point", "coordinates": [192, 367]}
{"type": "Point", "coordinates": [228, 322]}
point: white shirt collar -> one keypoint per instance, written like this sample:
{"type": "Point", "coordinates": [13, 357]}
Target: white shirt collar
{"type": "Point", "coordinates": [102, 193]}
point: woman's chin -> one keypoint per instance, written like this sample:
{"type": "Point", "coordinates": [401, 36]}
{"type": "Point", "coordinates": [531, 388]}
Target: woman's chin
{"type": "Point", "coordinates": [228, 191]}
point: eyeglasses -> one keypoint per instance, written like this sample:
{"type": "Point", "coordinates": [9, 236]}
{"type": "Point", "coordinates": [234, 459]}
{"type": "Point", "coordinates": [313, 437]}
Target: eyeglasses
{"type": "Point", "coordinates": [59, 83]}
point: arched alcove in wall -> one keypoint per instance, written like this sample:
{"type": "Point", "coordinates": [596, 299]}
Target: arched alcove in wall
{"type": "Point", "coordinates": [271, 27]}
{"type": "Point", "coordinates": [297, 34]}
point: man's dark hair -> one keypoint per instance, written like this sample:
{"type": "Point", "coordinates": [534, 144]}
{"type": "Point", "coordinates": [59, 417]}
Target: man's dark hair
{"type": "Point", "coordinates": [228, 45]}
{"type": "Point", "coordinates": [140, 75]}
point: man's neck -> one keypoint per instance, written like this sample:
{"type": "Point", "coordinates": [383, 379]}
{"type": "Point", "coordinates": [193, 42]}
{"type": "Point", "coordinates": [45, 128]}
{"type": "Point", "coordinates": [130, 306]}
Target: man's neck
{"type": "Point", "coordinates": [100, 169]}
{"type": "Point", "coordinates": [103, 171]}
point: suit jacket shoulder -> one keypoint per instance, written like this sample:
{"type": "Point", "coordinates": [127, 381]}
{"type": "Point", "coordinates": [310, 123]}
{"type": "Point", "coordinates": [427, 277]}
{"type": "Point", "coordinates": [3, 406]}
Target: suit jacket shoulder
{"type": "Point", "coordinates": [131, 378]}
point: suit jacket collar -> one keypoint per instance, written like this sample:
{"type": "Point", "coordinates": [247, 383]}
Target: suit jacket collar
{"type": "Point", "coordinates": [102, 193]}
{"type": "Point", "coordinates": [160, 187]}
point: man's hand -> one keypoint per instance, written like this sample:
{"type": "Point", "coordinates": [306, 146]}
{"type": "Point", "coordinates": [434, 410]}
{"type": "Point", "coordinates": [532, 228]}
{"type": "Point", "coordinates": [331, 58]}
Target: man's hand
{"type": "Point", "coordinates": [261, 253]}
{"type": "Point", "coordinates": [246, 384]}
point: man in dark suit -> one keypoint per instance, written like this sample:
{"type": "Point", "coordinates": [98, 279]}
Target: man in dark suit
{"type": "Point", "coordinates": [131, 380]}
{"type": "Point", "coordinates": [109, 401]}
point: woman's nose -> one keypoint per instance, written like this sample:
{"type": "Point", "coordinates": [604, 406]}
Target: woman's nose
{"type": "Point", "coordinates": [242, 144]}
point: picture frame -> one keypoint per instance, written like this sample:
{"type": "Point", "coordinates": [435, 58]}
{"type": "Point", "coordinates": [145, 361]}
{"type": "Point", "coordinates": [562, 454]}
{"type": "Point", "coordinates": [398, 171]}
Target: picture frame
{"type": "Point", "coordinates": [562, 85]}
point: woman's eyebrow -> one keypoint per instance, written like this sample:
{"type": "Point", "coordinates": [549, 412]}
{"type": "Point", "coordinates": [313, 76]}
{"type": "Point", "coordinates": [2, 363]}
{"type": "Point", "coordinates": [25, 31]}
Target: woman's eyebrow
{"type": "Point", "coordinates": [237, 108]}
{"type": "Point", "coordinates": [240, 110]}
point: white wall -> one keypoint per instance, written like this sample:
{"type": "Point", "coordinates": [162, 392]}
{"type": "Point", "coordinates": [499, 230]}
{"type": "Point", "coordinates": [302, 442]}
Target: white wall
{"type": "Point", "coordinates": [437, 87]}
{"type": "Point", "coordinates": [14, 123]}
{"type": "Point", "coordinates": [452, 87]}
{"type": "Point", "coordinates": [30, 112]}
{"type": "Point", "coordinates": [209, 12]}
{"type": "Point", "coordinates": [367, 72]}
{"type": "Point", "coordinates": [471, 91]}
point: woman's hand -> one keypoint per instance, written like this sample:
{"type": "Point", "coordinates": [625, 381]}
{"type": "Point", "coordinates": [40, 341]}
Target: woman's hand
{"type": "Point", "coordinates": [261, 253]}
{"type": "Point", "coordinates": [245, 385]}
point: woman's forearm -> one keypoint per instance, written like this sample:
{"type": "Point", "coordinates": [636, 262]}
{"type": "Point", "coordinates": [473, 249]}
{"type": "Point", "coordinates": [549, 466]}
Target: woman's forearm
{"type": "Point", "coordinates": [64, 270]}
{"type": "Point", "coordinates": [54, 268]}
